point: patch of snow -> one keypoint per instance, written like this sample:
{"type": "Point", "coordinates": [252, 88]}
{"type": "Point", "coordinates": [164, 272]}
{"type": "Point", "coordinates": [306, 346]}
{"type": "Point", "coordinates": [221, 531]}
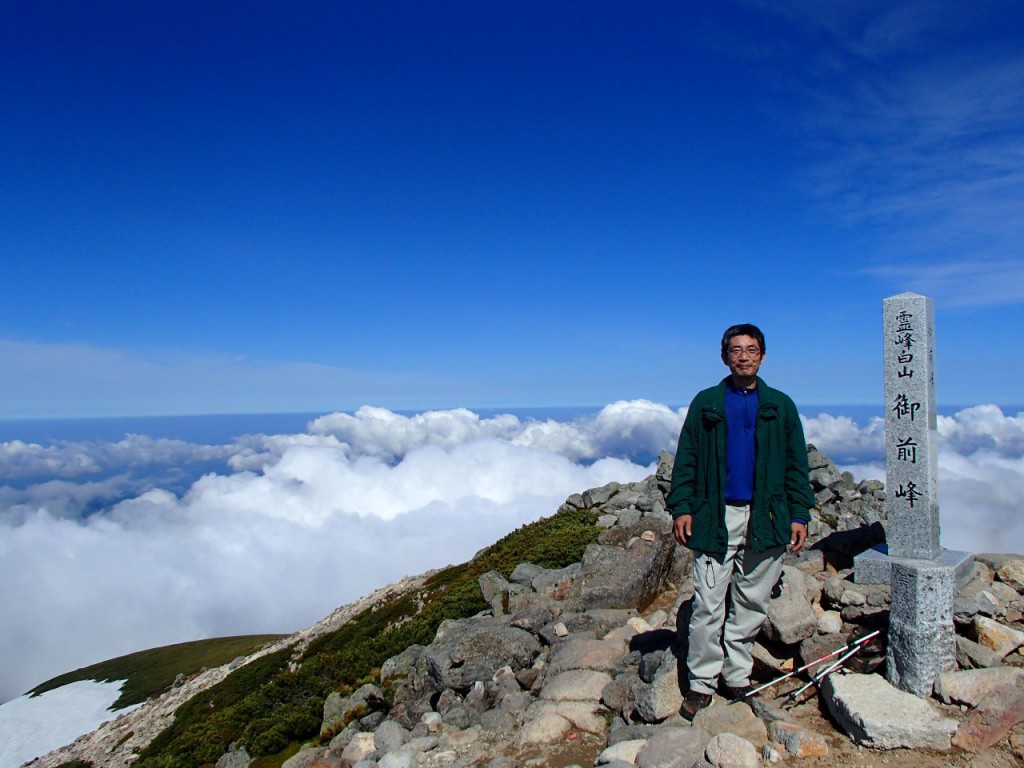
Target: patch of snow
{"type": "Point", "coordinates": [31, 726]}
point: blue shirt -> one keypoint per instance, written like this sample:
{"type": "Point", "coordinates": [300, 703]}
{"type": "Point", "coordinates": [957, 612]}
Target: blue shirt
{"type": "Point", "coordinates": [740, 420]}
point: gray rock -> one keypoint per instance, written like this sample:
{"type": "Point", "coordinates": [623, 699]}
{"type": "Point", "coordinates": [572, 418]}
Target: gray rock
{"type": "Point", "coordinates": [596, 497]}
{"type": "Point", "coordinates": [808, 560]}
{"type": "Point", "coordinates": [799, 582]}
{"type": "Point", "coordinates": [524, 573]}
{"type": "Point", "coordinates": [576, 501]}
{"type": "Point", "coordinates": [339, 742]}
{"type": "Point", "coordinates": [739, 719]}
{"type": "Point", "coordinates": [681, 566]}
{"type": "Point", "coordinates": [499, 723]}
{"type": "Point", "coordinates": [547, 722]}
{"type": "Point", "coordinates": [673, 748]}
{"type": "Point", "coordinates": [421, 744]}
{"type": "Point", "coordinates": [863, 706]}
{"type": "Point", "coordinates": [584, 653]}
{"type": "Point", "coordinates": [575, 685]}
{"type": "Point", "coordinates": [339, 709]}
{"type": "Point", "coordinates": [621, 751]}
{"type": "Point", "coordinates": [447, 700]}
{"type": "Point", "coordinates": [636, 731]}
{"type": "Point", "coordinates": [372, 720]}
{"type": "Point", "coordinates": [401, 759]}
{"type": "Point", "coordinates": [479, 652]}
{"type": "Point", "coordinates": [501, 685]}
{"type": "Point", "coordinates": [409, 674]}
{"type": "Point", "coordinates": [616, 577]}
{"type": "Point", "coordinates": [830, 623]}
{"type": "Point", "coordinates": [460, 717]}
{"type": "Point", "coordinates": [606, 619]}
{"type": "Point", "coordinates": [790, 619]}
{"type": "Point", "coordinates": [555, 583]}
{"type": "Point", "coordinates": [234, 758]}
{"type": "Point", "coordinates": [728, 750]}
{"type": "Point", "coordinates": [492, 584]}
{"type": "Point", "coordinates": [620, 694]}
{"type": "Point", "coordinates": [477, 698]}
{"type": "Point", "coordinates": [767, 712]}
{"type": "Point", "coordinates": [516, 702]}
{"type": "Point", "coordinates": [826, 477]}
{"type": "Point", "coordinates": [660, 699]}
{"type": "Point", "coordinates": [650, 663]}
{"type": "Point", "coordinates": [624, 506]}
{"type": "Point", "coordinates": [818, 460]}
{"type": "Point", "coordinates": [390, 736]}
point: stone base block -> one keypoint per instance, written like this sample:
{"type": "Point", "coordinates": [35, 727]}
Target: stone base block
{"type": "Point", "coordinates": [922, 643]}
{"type": "Point", "coordinates": [874, 567]}
{"type": "Point", "coordinates": [871, 567]}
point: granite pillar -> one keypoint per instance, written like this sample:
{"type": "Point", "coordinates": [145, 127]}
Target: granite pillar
{"type": "Point", "coordinates": [923, 576]}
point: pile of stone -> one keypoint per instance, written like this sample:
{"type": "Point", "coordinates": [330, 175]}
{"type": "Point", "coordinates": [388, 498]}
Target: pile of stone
{"type": "Point", "coordinates": [588, 657]}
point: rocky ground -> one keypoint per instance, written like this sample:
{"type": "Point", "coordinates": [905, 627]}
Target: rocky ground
{"type": "Point", "coordinates": [581, 666]}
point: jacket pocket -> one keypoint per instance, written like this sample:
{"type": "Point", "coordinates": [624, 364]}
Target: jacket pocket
{"type": "Point", "coordinates": [778, 509]}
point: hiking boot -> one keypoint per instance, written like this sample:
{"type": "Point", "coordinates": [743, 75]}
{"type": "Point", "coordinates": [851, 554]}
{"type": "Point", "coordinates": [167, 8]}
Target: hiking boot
{"type": "Point", "coordinates": [736, 692]}
{"type": "Point", "coordinates": [694, 702]}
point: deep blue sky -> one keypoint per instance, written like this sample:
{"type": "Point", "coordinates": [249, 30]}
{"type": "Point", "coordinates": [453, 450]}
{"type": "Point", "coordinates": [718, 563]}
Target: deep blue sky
{"type": "Point", "coordinates": [306, 206]}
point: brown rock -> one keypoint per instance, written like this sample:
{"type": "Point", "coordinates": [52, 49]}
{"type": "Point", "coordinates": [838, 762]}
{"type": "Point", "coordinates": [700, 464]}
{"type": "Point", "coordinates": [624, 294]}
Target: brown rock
{"type": "Point", "coordinates": [1012, 573]}
{"type": "Point", "coordinates": [972, 655]}
{"type": "Point", "coordinates": [999, 637]}
{"type": "Point", "coordinates": [993, 718]}
{"type": "Point", "coordinates": [972, 686]}
{"type": "Point", "coordinates": [798, 741]}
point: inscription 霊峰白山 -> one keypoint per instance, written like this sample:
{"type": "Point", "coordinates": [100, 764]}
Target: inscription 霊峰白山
{"type": "Point", "coordinates": [910, 425]}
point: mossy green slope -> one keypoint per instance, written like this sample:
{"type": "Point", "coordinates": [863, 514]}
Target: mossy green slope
{"type": "Point", "coordinates": [151, 672]}
{"type": "Point", "coordinates": [270, 704]}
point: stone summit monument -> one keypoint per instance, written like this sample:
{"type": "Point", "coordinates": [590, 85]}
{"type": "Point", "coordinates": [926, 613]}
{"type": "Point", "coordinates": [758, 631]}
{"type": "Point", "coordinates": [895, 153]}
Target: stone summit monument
{"type": "Point", "coordinates": [923, 576]}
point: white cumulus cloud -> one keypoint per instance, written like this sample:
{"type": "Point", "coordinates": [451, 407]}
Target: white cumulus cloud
{"type": "Point", "coordinates": [97, 564]}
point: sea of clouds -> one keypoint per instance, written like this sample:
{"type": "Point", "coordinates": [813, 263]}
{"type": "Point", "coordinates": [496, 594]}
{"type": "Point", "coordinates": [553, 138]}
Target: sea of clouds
{"type": "Point", "coordinates": [112, 547]}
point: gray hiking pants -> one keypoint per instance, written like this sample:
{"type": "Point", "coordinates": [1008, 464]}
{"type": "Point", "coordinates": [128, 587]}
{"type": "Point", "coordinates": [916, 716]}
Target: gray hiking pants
{"type": "Point", "coordinates": [722, 631]}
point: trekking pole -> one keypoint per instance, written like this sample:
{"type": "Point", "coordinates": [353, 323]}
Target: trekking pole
{"type": "Point", "coordinates": [830, 670]}
{"type": "Point", "coordinates": [856, 643]}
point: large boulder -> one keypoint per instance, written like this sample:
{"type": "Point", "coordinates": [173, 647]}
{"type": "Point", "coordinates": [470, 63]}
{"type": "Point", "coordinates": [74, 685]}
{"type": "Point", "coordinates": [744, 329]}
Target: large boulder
{"type": "Point", "coordinates": [622, 577]}
{"type": "Point", "coordinates": [478, 652]}
{"type": "Point", "coordinates": [864, 705]}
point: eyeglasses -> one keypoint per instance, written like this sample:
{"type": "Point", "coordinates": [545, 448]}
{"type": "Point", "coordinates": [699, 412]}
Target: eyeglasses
{"type": "Point", "coordinates": [737, 351]}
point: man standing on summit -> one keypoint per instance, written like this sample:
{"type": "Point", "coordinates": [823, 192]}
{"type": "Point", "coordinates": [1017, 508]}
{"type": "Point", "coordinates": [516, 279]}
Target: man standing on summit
{"type": "Point", "coordinates": [740, 494]}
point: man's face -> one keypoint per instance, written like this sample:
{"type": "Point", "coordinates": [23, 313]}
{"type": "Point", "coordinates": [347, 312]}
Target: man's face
{"type": "Point", "coordinates": [743, 357]}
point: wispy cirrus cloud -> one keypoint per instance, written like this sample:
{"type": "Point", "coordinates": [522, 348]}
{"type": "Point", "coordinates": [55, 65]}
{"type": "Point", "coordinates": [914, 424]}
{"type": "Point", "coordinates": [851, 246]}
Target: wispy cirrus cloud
{"type": "Point", "coordinates": [912, 115]}
{"type": "Point", "coordinates": [968, 283]}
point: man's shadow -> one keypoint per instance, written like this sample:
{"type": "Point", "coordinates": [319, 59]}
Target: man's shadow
{"type": "Point", "coordinates": [675, 641]}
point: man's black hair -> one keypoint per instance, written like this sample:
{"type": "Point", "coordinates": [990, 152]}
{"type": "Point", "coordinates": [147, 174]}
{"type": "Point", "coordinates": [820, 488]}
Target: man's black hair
{"type": "Point", "coordinates": [743, 329]}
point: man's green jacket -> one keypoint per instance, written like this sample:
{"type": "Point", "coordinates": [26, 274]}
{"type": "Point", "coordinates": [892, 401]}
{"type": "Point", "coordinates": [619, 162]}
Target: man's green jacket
{"type": "Point", "coordinates": [782, 489]}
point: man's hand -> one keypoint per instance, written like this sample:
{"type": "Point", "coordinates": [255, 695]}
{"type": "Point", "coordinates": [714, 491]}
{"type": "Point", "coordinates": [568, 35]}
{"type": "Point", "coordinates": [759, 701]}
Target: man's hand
{"type": "Point", "coordinates": [797, 536]}
{"type": "Point", "coordinates": [683, 527]}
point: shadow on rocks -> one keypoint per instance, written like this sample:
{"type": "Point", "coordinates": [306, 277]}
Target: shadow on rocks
{"type": "Point", "coordinates": [841, 547]}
